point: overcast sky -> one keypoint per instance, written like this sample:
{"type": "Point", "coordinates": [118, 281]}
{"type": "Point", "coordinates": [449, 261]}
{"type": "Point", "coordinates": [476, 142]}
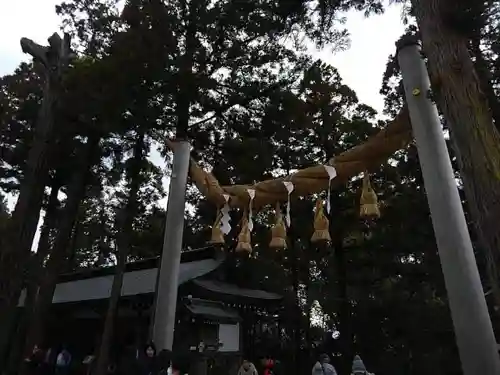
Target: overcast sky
{"type": "Point", "coordinates": [361, 67]}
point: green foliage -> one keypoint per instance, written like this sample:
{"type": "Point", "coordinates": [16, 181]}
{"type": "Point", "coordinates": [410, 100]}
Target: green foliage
{"type": "Point", "coordinates": [21, 94]}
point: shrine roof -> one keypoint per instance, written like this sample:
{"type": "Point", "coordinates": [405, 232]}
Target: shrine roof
{"type": "Point", "coordinates": [135, 282]}
{"type": "Point", "coordinates": [211, 309]}
{"type": "Point", "coordinates": [225, 288]}
{"type": "Point", "coordinates": [187, 255]}
{"type": "Point", "coordinates": [140, 279]}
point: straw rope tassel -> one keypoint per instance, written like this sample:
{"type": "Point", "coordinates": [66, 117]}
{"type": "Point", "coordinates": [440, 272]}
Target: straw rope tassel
{"type": "Point", "coordinates": [278, 231]}
{"type": "Point", "coordinates": [368, 205]}
{"type": "Point", "coordinates": [217, 235]}
{"type": "Point", "coordinates": [321, 224]}
{"type": "Point", "coordinates": [244, 238]}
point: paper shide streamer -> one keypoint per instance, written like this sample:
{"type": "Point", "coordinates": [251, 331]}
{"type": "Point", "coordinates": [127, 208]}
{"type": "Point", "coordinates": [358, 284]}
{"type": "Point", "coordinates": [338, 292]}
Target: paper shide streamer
{"type": "Point", "coordinates": [225, 225]}
{"type": "Point", "coordinates": [289, 188]}
{"type": "Point", "coordinates": [251, 194]}
{"type": "Point", "coordinates": [332, 173]}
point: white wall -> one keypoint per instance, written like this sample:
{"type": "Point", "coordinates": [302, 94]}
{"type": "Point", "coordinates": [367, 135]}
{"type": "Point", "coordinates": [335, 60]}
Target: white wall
{"type": "Point", "coordinates": [229, 336]}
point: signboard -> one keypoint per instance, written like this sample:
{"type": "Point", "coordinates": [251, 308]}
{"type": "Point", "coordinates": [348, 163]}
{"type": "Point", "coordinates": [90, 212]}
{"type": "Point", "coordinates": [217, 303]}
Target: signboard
{"type": "Point", "coordinates": [229, 337]}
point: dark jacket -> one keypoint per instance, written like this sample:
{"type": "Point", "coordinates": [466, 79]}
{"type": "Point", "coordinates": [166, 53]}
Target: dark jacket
{"type": "Point", "coordinates": [34, 363]}
{"type": "Point", "coordinates": [148, 365]}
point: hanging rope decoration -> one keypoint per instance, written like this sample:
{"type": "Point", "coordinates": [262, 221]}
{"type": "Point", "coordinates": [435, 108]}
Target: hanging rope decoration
{"type": "Point", "coordinates": [311, 180]}
{"type": "Point", "coordinates": [244, 238]}
{"type": "Point", "coordinates": [368, 205]}
{"type": "Point", "coordinates": [307, 181]}
{"type": "Point", "coordinates": [278, 231]}
{"type": "Point", "coordinates": [217, 235]}
{"type": "Point", "coordinates": [321, 225]}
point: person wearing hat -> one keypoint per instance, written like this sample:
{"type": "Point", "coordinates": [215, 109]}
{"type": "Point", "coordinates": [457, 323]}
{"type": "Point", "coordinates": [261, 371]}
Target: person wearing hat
{"type": "Point", "coordinates": [247, 368]}
{"type": "Point", "coordinates": [358, 367]}
{"type": "Point", "coordinates": [323, 366]}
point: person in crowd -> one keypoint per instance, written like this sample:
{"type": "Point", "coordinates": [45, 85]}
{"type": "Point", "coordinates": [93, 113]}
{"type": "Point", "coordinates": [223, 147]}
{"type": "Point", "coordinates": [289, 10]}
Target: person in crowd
{"type": "Point", "coordinates": [323, 366]}
{"type": "Point", "coordinates": [49, 361]}
{"type": "Point", "coordinates": [164, 362]}
{"type": "Point", "coordinates": [88, 364]}
{"type": "Point", "coordinates": [111, 370]}
{"type": "Point", "coordinates": [247, 368]}
{"type": "Point", "coordinates": [180, 364]}
{"type": "Point", "coordinates": [34, 362]}
{"type": "Point", "coordinates": [129, 361]}
{"type": "Point", "coordinates": [63, 362]}
{"type": "Point", "coordinates": [148, 361]}
{"type": "Point", "coordinates": [358, 367]}
{"type": "Point", "coordinates": [268, 364]}
{"type": "Point", "coordinates": [277, 367]}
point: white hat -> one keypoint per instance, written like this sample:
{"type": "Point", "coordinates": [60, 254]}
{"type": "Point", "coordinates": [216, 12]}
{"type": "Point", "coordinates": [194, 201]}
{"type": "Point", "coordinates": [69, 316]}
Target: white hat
{"type": "Point", "coordinates": [358, 367]}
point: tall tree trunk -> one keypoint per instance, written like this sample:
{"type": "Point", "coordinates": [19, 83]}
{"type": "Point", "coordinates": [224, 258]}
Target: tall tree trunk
{"type": "Point", "coordinates": [104, 248]}
{"type": "Point", "coordinates": [308, 305]}
{"type": "Point", "coordinates": [337, 231]}
{"type": "Point", "coordinates": [58, 255]}
{"type": "Point", "coordinates": [185, 76]}
{"type": "Point", "coordinates": [125, 223]}
{"type": "Point", "coordinates": [465, 107]}
{"type": "Point", "coordinates": [483, 72]}
{"type": "Point", "coordinates": [73, 246]}
{"type": "Point", "coordinates": [34, 272]}
{"type": "Point", "coordinates": [21, 229]}
{"type": "Point", "coordinates": [297, 313]}
{"type": "Point", "coordinates": [345, 326]}
{"type": "Point", "coordinates": [484, 76]}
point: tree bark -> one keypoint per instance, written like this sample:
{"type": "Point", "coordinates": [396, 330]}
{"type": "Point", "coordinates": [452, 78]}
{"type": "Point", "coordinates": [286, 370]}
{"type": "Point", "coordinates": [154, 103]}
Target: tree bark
{"type": "Point", "coordinates": [484, 75]}
{"type": "Point", "coordinates": [337, 232]}
{"type": "Point", "coordinates": [16, 245]}
{"type": "Point", "coordinates": [185, 77]}
{"type": "Point", "coordinates": [34, 273]}
{"type": "Point", "coordinates": [465, 107]}
{"type": "Point", "coordinates": [125, 223]}
{"type": "Point", "coordinates": [492, 257]}
{"type": "Point", "coordinates": [297, 313]}
{"type": "Point", "coordinates": [21, 228]}
{"type": "Point", "coordinates": [345, 326]}
{"type": "Point", "coordinates": [309, 301]}
{"type": "Point", "coordinates": [58, 255]}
